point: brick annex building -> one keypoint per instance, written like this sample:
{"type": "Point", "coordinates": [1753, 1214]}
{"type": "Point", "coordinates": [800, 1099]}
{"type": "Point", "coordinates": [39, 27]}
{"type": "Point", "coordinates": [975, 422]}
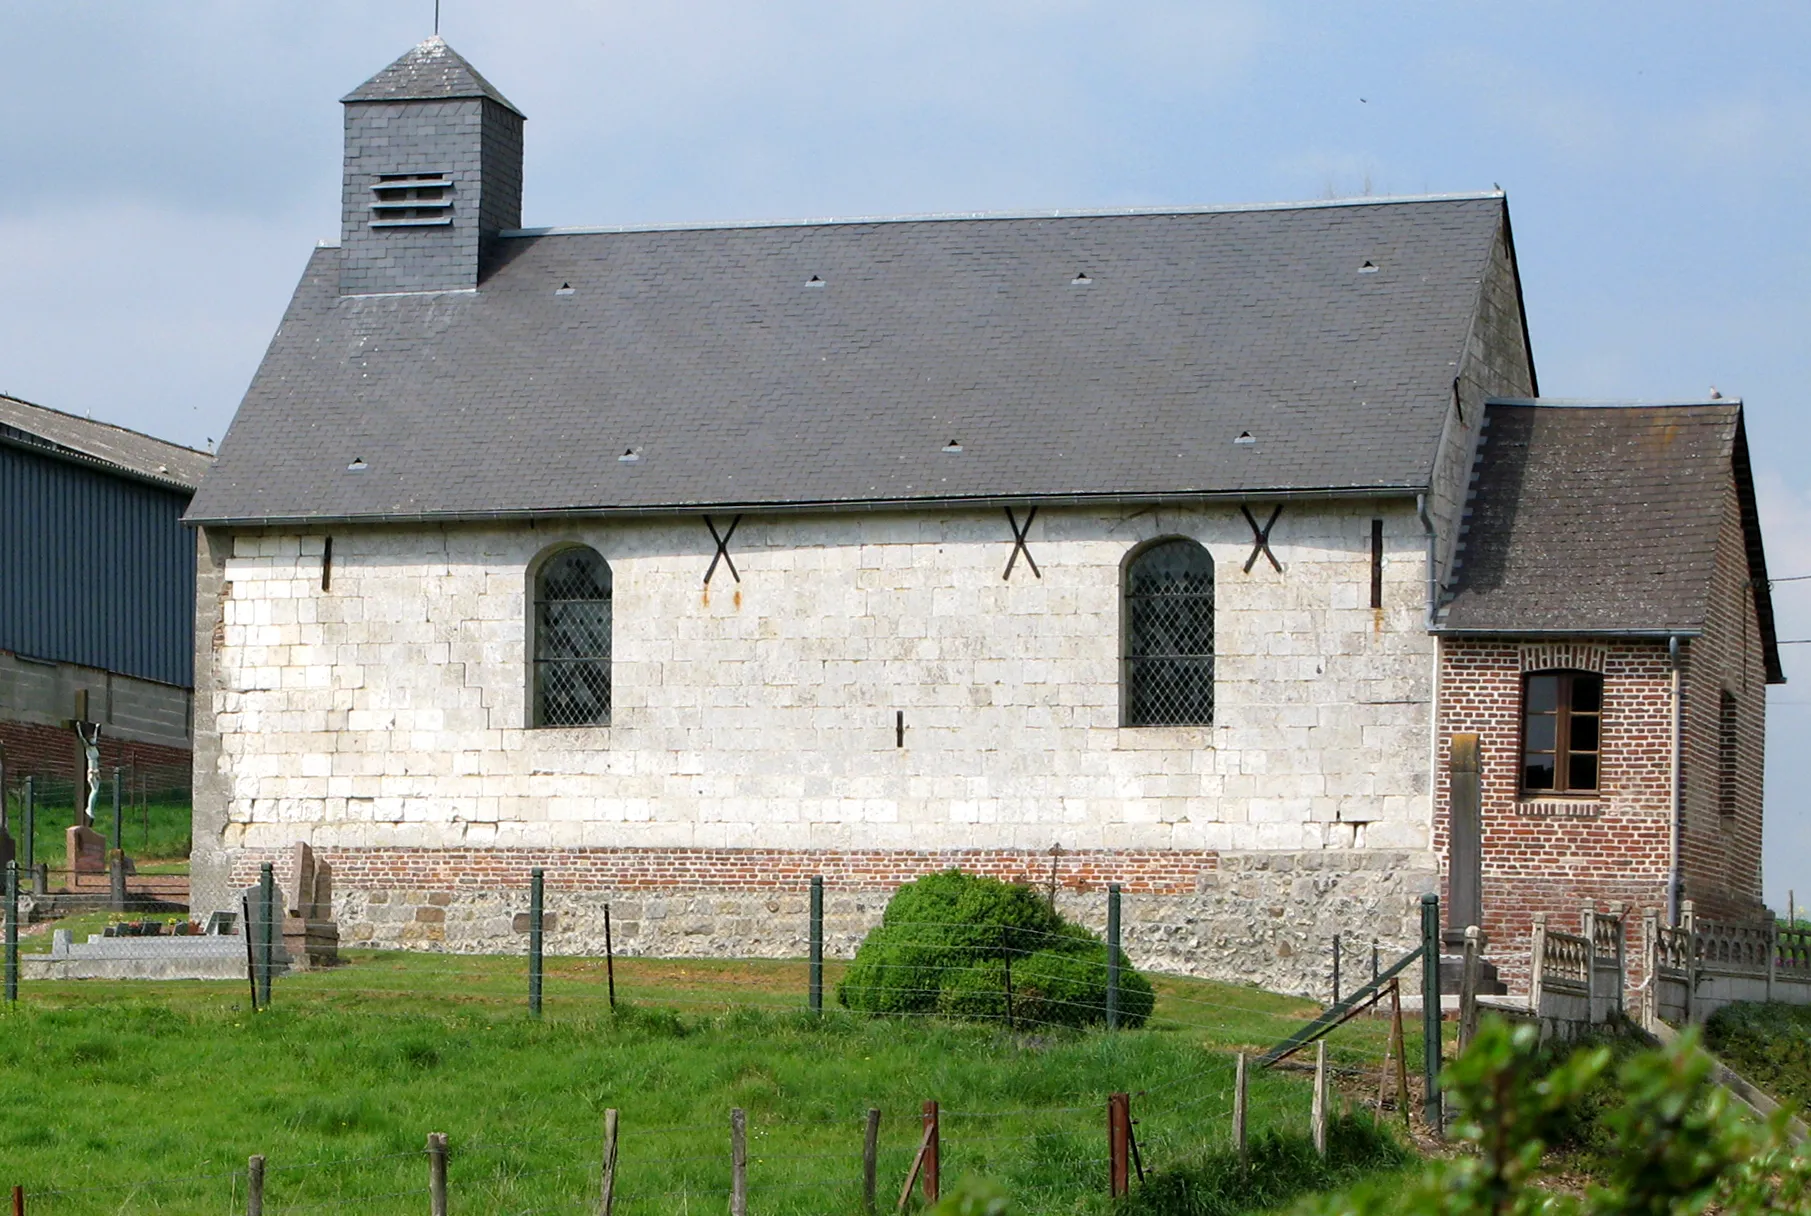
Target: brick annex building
{"type": "Point", "coordinates": [1169, 548]}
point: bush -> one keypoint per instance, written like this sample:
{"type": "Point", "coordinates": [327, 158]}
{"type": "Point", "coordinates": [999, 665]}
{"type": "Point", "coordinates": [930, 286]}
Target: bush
{"type": "Point", "coordinates": [943, 945]}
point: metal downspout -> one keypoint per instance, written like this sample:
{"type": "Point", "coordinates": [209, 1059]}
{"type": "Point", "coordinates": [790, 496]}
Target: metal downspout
{"type": "Point", "coordinates": [1433, 574]}
{"type": "Point", "coordinates": [1673, 836]}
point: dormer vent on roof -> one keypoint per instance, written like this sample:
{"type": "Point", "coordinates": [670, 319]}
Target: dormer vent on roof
{"type": "Point", "coordinates": [432, 173]}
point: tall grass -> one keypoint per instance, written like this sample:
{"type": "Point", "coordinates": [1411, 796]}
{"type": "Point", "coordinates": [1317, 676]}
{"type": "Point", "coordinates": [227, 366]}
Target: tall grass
{"type": "Point", "coordinates": [109, 1086]}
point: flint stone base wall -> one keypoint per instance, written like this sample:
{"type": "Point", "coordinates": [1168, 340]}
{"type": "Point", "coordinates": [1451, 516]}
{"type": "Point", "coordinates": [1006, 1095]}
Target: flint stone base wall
{"type": "Point", "coordinates": [1261, 918]}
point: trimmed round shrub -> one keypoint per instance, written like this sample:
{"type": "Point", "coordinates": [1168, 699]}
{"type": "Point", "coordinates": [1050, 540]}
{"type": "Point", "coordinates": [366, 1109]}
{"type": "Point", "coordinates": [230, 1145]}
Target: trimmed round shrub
{"type": "Point", "coordinates": [942, 947]}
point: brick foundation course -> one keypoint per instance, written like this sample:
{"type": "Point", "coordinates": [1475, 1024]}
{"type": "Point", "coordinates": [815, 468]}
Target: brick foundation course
{"type": "Point", "coordinates": [1257, 918]}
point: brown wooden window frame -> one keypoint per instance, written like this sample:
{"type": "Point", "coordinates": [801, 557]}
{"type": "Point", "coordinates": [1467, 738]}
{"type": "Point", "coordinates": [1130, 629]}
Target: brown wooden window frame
{"type": "Point", "coordinates": [1564, 713]}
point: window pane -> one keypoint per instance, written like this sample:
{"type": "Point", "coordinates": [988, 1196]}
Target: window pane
{"type": "Point", "coordinates": [572, 625]}
{"type": "Point", "coordinates": [1537, 773]}
{"type": "Point", "coordinates": [1543, 694]}
{"type": "Point", "coordinates": [1540, 733]}
{"type": "Point", "coordinates": [1581, 773]}
{"type": "Point", "coordinates": [1584, 733]}
{"type": "Point", "coordinates": [1587, 693]}
{"type": "Point", "coordinates": [1170, 636]}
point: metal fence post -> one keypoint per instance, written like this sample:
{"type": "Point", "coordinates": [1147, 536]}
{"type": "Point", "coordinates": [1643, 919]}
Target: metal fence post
{"type": "Point", "coordinates": [817, 944]}
{"type": "Point", "coordinates": [1336, 968]}
{"type": "Point", "coordinates": [12, 932]}
{"type": "Point", "coordinates": [26, 843]}
{"type": "Point", "coordinates": [119, 839]}
{"type": "Point", "coordinates": [1113, 956]}
{"type": "Point", "coordinates": [267, 931]}
{"type": "Point", "coordinates": [535, 881]}
{"type": "Point", "coordinates": [1430, 1012]}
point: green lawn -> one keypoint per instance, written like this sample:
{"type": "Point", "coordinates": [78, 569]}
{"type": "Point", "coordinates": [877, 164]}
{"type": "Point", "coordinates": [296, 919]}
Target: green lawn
{"type": "Point", "coordinates": [159, 830]}
{"type": "Point", "coordinates": [338, 1084]}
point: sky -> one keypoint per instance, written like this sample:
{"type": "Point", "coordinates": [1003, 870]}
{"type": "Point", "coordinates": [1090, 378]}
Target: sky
{"type": "Point", "coordinates": [166, 166]}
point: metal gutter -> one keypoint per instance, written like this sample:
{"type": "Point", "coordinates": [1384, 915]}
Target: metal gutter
{"type": "Point", "coordinates": [1675, 777]}
{"type": "Point", "coordinates": [812, 507]}
{"type": "Point", "coordinates": [961, 216]}
{"type": "Point", "coordinates": [57, 451]}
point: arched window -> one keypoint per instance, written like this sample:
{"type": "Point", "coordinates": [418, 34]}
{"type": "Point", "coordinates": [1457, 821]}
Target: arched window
{"type": "Point", "coordinates": [572, 640]}
{"type": "Point", "coordinates": [1169, 636]}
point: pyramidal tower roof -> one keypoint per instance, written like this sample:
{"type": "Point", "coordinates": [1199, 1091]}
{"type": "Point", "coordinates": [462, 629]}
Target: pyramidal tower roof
{"type": "Point", "coordinates": [430, 71]}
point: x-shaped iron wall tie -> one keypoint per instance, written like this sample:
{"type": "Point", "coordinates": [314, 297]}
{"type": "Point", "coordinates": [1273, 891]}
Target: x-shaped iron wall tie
{"type": "Point", "coordinates": [1260, 538]}
{"type": "Point", "coordinates": [722, 550]}
{"type": "Point", "coordinates": [1018, 542]}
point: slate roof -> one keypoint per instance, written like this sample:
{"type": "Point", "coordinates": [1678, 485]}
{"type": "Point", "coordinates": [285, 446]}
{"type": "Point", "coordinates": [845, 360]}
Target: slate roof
{"type": "Point", "coordinates": [1072, 357]}
{"type": "Point", "coordinates": [1603, 519]}
{"type": "Point", "coordinates": [86, 441]}
{"type": "Point", "coordinates": [429, 71]}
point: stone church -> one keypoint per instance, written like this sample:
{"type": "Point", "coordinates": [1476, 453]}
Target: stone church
{"type": "Point", "coordinates": [1172, 548]}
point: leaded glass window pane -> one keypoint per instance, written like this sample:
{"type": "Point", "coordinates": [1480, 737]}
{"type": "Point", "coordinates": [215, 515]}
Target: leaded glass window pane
{"type": "Point", "coordinates": [572, 640]}
{"type": "Point", "coordinates": [1169, 657]}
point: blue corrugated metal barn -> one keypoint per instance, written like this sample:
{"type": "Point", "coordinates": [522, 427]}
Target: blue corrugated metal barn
{"type": "Point", "coordinates": [97, 592]}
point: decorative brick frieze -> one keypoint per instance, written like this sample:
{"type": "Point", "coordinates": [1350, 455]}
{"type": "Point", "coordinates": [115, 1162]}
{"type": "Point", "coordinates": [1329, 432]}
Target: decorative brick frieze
{"type": "Point", "coordinates": [1564, 656]}
{"type": "Point", "coordinates": [1559, 808]}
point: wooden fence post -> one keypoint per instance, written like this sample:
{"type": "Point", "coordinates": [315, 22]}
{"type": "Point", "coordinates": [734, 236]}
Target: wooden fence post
{"type": "Point", "coordinates": [738, 1157]}
{"type": "Point", "coordinates": [1537, 962]}
{"type": "Point", "coordinates": [1689, 921]}
{"type": "Point", "coordinates": [1469, 976]}
{"type": "Point", "coordinates": [437, 1173]}
{"type": "Point", "coordinates": [933, 1135]}
{"type": "Point", "coordinates": [1317, 1117]}
{"type": "Point", "coordinates": [1587, 929]}
{"type": "Point", "coordinates": [607, 1187]}
{"type": "Point", "coordinates": [1650, 962]}
{"type": "Point", "coordinates": [254, 1186]}
{"type": "Point", "coordinates": [1620, 911]}
{"type": "Point", "coordinates": [1240, 1084]}
{"type": "Point", "coordinates": [870, 1159]}
{"type": "Point", "coordinates": [18, 1201]}
{"type": "Point", "coordinates": [1119, 1127]}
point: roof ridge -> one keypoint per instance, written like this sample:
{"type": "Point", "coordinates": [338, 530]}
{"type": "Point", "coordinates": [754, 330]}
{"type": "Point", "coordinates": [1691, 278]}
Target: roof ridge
{"type": "Point", "coordinates": [1062, 213]}
{"type": "Point", "coordinates": [112, 426]}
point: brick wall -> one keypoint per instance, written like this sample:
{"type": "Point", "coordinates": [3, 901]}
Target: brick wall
{"type": "Point", "coordinates": [1721, 853]}
{"type": "Point", "coordinates": [1555, 855]}
{"type": "Point", "coordinates": [50, 753]}
{"type": "Point", "coordinates": [1139, 872]}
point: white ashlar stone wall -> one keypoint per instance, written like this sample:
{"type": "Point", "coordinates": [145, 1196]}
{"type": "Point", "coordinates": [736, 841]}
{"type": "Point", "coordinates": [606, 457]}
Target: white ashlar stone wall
{"type": "Point", "coordinates": [390, 710]}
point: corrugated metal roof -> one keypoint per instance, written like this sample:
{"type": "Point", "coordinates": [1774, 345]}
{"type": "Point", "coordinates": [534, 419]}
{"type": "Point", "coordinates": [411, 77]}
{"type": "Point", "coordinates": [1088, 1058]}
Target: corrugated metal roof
{"type": "Point", "coordinates": [84, 439]}
{"type": "Point", "coordinates": [787, 365]}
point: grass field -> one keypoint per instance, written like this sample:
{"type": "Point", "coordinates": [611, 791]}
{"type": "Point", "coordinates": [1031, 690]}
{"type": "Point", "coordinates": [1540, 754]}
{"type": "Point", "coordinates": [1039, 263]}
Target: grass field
{"type": "Point", "coordinates": [157, 831]}
{"type": "Point", "coordinates": [108, 1087]}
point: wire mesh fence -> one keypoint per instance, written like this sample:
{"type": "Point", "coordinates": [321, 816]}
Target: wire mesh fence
{"type": "Point", "coordinates": [1167, 1041]}
{"type": "Point", "coordinates": [852, 1161]}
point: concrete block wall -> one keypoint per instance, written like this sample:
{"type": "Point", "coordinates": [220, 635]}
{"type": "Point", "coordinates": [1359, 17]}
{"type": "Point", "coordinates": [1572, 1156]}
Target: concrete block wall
{"type": "Point", "coordinates": [389, 713]}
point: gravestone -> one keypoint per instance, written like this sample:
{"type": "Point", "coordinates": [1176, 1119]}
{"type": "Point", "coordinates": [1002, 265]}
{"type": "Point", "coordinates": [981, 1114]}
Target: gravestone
{"type": "Point", "coordinates": [87, 850]}
{"type": "Point", "coordinates": [311, 937]}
